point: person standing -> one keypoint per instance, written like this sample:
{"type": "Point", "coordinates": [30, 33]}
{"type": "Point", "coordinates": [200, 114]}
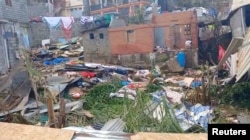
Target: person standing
{"type": "Point", "coordinates": [188, 44]}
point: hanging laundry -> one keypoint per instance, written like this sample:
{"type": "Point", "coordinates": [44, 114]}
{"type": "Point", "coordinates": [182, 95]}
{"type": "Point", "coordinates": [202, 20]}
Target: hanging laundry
{"type": "Point", "coordinates": [67, 25]}
{"type": "Point", "coordinates": [53, 22]}
{"type": "Point", "coordinates": [85, 19]}
{"type": "Point", "coordinates": [67, 22]}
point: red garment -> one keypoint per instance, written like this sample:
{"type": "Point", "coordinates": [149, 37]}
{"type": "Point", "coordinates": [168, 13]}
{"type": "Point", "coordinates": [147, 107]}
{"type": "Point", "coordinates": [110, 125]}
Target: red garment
{"type": "Point", "coordinates": [67, 33]}
{"type": "Point", "coordinates": [221, 53]}
{"type": "Point", "coordinates": [88, 74]}
{"type": "Point", "coordinates": [134, 86]}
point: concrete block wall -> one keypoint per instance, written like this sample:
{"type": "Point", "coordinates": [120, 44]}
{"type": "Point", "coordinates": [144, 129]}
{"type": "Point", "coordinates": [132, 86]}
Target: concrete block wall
{"type": "Point", "coordinates": [41, 31]}
{"type": "Point", "coordinates": [96, 49]}
{"type": "Point", "coordinates": [1, 12]}
{"type": "Point", "coordinates": [37, 9]}
{"type": "Point", "coordinates": [17, 12]}
{"type": "Point", "coordinates": [12, 48]}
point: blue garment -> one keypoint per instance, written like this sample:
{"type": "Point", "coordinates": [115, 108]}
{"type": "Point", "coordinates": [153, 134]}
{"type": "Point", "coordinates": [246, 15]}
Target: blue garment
{"type": "Point", "coordinates": [55, 61]}
{"type": "Point", "coordinates": [213, 12]}
{"type": "Point", "coordinates": [121, 71]}
{"type": "Point", "coordinates": [109, 70]}
{"type": "Point", "coordinates": [195, 84]}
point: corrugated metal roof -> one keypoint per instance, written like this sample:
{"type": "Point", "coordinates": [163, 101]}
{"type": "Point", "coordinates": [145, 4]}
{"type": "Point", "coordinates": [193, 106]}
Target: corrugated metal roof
{"type": "Point", "coordinates": [244, 57]}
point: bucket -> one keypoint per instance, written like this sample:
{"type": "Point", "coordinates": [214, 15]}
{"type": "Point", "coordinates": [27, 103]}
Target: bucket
{"type": "Point", "coordinates": [181, 59]}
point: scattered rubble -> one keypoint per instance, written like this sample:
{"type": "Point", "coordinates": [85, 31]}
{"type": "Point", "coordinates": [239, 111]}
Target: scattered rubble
{"type": "Point", "coordinates": [56, 88]}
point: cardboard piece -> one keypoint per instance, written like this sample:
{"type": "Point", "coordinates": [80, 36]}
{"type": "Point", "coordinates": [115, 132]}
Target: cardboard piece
{"type": "Point", "coordinates": [11, 131]}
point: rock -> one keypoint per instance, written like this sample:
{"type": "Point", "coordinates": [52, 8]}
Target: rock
{"type": "Point", "coordinates": [174, 66]}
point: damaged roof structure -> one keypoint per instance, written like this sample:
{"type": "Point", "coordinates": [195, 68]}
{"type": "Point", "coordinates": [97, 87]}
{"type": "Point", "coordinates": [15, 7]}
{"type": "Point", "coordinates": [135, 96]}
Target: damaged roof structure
{"type": "Point", "coordinates": [237, 53]}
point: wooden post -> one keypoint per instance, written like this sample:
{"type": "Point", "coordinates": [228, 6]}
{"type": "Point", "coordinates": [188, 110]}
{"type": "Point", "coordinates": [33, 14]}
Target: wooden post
{"type": "Point", "coordinates": [61, 119]}
{"type": "Point", "coordinates": [51, 112]}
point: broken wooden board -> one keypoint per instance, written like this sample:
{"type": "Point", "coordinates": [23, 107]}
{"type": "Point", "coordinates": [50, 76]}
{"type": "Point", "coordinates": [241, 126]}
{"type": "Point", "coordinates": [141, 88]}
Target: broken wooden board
{"type": "Point", "coordinates": [169, 136]}
{"type": "Point", "coordinates": [11, 131]}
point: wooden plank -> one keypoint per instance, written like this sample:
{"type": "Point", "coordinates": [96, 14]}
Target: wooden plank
{"type": "Point", "coordinates": [169, 136]}
{"type": "Point", "coordinates": [10, 131]}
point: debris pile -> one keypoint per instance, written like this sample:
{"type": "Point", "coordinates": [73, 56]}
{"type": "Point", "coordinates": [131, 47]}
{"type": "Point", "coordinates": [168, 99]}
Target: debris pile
{"type": "Point", "coordinates": [61, 90]}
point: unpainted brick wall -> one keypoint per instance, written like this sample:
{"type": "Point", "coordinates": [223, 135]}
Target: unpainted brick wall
{"type": "Point", "coordinates": [174, 25]}
{"type": "Point", "coordinates": [142, 39]}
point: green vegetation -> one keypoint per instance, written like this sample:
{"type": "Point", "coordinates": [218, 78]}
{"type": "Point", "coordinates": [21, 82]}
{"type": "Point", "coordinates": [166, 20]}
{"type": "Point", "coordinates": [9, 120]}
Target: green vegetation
{"type": "Point", "coordinates": [132, 112]}
{"type": "Point", "coordinates": [236, 95]}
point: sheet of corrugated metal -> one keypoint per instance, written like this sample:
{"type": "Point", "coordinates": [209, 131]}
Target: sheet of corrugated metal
{"type": "Point", "coordinates": [239, 3]}
{"type": "Point", "coordinates": [87, 134]}
{"type": "Point", "coordinates": [244, 57]}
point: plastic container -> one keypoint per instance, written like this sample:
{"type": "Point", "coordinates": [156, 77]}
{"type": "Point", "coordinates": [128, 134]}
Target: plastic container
{"type": "Point", "coordinates": [181, 58]}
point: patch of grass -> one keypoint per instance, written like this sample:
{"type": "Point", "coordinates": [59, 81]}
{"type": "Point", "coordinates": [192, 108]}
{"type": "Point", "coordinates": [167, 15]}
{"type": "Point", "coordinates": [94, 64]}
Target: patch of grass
{"type": "Point", "coordinates": [132, 112]}
{"type": "Point", "coordinates": [152, 88]}
{"type": "Point", "coordinates": [137, 120]}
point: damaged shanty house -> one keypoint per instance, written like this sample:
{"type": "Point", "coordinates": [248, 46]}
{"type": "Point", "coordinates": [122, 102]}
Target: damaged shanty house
{"type": "Point", "coordinates": [236, 59]}
{"type": "Point", "coordinates": [214, 33]}
{"type": "Point", "coordinates": [15, 30]}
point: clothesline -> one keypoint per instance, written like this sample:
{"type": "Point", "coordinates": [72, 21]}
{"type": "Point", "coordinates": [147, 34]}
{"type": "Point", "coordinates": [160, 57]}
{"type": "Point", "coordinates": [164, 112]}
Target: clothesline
{"type": "Point", "coordinates": [67, 22]}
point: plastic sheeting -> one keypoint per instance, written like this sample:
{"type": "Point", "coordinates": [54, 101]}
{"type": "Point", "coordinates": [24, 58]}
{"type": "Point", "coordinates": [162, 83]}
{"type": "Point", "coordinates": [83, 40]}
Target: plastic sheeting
{"type": "Point", "coordinates": [188, 115]}
{"type": "Point", "coordinates": [194, 115]}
